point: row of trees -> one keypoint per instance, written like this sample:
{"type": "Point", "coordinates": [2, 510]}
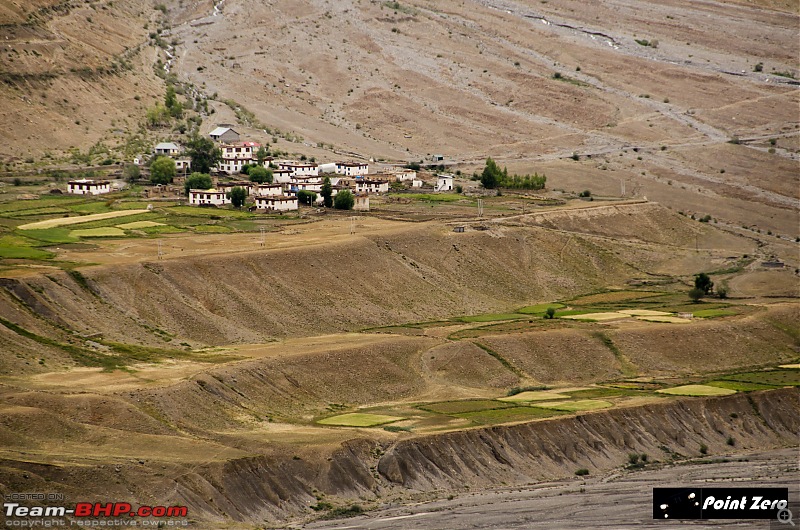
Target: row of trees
{"type": "Point", "coordinates": [493, 177]}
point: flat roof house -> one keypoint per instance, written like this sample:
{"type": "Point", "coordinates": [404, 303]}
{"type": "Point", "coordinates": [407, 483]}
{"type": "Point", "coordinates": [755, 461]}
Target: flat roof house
{"type": "Point", "coordinates": [351, 169]}
{"type": "Point", "coordinates": [372, 186]}
{"type": "Point", "coordinates": [210, 197]}
{"type": "Point", "coordinates": [300, 169]}
{"type": "Point", "coordinates": [280, 203]}
{"type": "Point", "coordinates": [88, 187]}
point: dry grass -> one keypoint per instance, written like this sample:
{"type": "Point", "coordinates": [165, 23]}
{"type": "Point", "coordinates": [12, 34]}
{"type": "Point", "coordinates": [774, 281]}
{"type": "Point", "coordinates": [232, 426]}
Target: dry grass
{"type": "Point", "coordinates": [64, 221]}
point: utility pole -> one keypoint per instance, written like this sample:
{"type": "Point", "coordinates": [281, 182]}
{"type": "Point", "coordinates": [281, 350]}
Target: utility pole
{"type": "Point", "coordinates": [160, 252]}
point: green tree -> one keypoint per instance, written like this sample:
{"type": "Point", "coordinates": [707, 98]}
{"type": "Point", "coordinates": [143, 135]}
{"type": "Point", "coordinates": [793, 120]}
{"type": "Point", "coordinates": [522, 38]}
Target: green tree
{"type": "Point", "coordinates": [327, 192]}
{"type": "Point", "coordinates": [162, 170]}
{"type": "Point", "coordinates": [491, 175]}
{"type": "Point", "coordinates": [157, 116]}
{"type": "Point", "coordinates": [131, 172]}
{"type": "Point", "coordinates": [237, 196]}
{"type": "Point", "coordinates": [550, 313]}
{"type": "Point", "coordinates": [260, 175]}
{"type": "Point", "coordinates": [170, 99]}
{"type": "Point", "coordinates": [306, 197]}
{"type": "Point", "coordinates": [696, 294]}
{"type": "Point", "coordinates": [198, 181]}
{"type": "Point", "coordinates": [703, 281]}
{"type": "Point", "coordinates": [204, 154]}
{"type": "Point", "coordinates": [344, 200]}
{"type": "Point", "coordinates": [262, 154]}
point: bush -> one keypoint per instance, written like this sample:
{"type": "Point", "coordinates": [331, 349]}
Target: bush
{"type": "Point", "coordinates": [260, 175]}
{"type": "Point", "coordinates": [237, 196]}
{"type": "Point", "coordinates": [344, 200]}
{"type": "Point", "coordinates": [703, 449]}
{"type": "Point", "coordinates": [730, 441]}
{"type": "Point", "coordinates": [550, 313]}
{"type": "Point", "coordinates": [198, 181]}
{"type": "Point", "coordinates": [585, 193]}
{"type": "Point", "coordinates": [758, 67]}
{"type": "Point", "coordinates": [306, 197]}
{"type": "Point", "coordinates": [696, 294]}
{"type": "Point", "coordinates": [459, 188]}
{"type": "Point", "coordinates": [162, 170]}
{"type": "Point", "coordinates": [582, 472]}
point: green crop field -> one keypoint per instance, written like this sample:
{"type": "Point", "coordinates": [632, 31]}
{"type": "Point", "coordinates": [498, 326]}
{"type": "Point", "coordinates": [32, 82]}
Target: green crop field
{"type": "Point", "coordinates": [358, 419]}
{"type": "Point", "coordinates": [539, 309]}
{"type": "Point", "coordinates": [494, 416]}
{"type": "Point", "coordinates": [574, 406]}
{"type": "Point", "coordinates": [459, 407]}
{"type": "Point", "coordinates": [697, 390]}
{"type": "Point", "coordinates": [212, 229]}
{"type": "Point", "coordinates": [51, 235]}
{"type": "Point", "coordinates": [740, 386]}
{"type": "Point", "coordinates": [106, 231]}
{"type": "Point", "coordinates": [774, 377]}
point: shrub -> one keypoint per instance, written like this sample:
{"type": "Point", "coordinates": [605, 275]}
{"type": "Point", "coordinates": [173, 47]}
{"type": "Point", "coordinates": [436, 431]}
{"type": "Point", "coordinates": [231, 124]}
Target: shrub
{"type": "Point", "coordinates": [696, 294]}
{"type": "Point", "coordinates": [758, 67]}
{"type": "Point", "coordinates": [585, 193]}
{"type": "Point", "coordinates": [730, 441]}
{"type": "Point", "coordinates": [344, 200]}
{"type": "Point", "coordinates": [703, 449]}
{"type": "Point", "coordinates": [162, 170]}
{"type": "Point", "coordinates": [550, 313]}
{"type": "Point", "coordinates": [582, 472]}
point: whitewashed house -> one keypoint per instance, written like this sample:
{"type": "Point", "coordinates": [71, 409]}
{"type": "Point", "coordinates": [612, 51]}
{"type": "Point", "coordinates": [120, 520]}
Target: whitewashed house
{"type": "Point", "coordinates": [351, 169]}
{"type": "Point", "coordinates": [183, 164]}
{"type": "Point", "coordinates": [300, 169]}
{"type": "Point", "coordinates": [281, 176]}
{"type": "Point", "coordinates": [277, 203]}
{"type": "Point", "coordinates": [404, 174]}
{"type": "Point", "coordinates": [88, 187]}
{"type": "Point", "coordinates": [208, 197]}
{"type": "Point", "coordinates": [167, 149]}
{"type": "Point", "coordinates": [268, 190]}
{"type": "Point", "coordinates": [444, 183]}
{"type": "Point", "coordinates": [372, 186]}
{"type": "Point", "coordinates": [235, 156]}
{"type": "Point", "coordinates": [416, 183]}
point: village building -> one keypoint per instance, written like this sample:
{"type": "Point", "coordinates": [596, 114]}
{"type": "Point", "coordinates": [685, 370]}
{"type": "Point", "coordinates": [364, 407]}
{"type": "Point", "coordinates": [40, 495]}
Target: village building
{"type": "Point", "coordinates": [228, 186]}
{"type": "Point", "coordinates": [351, 169]}
{"type": "Point", "coordinates": [416, 183]}
{"type": "Point", "coordinates": [444, 183]}
{"type": "Point", "coordinates": [235, 156]}
{"type": "Point", "coordinates": [210, 197]}
{"type": "Point", "coordinates": [88, 187]}
{"type": "Point", "coordinates": [167, 149]}
{"type": "Point", "coordinates": [224, 135]}
{"type": "Point", "coordinates": [279, 203]}
{"type": "Point", "coordinates": [371, 186]}
{"type": "Point", "coordinates": [404, 174]}
{"type": "Point", "coordinates": [300, 168]}
{"type": "Point", "coordinates": [268, 190]}
{"type": "Point", "coordinates": [183, 164]}
{"type": "Point", "coordinates": [281, 176]}
{"type": "Point", "coordinates": [361, 203]}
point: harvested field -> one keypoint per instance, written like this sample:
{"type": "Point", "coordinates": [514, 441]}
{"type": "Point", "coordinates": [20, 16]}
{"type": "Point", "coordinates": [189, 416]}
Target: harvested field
{"type": "Point", "coordinates": [666, 319]}
{"type": "Point", "coordinates": [577, 405]}
{"type": "Point", "coordinates": [597, 317]}
{"type": "Point", "coordinates": [536, 395]}
{"type": "Point", "coordinates": [697, 390]}
{"type": "Point", "coordinates": [64, 221]}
